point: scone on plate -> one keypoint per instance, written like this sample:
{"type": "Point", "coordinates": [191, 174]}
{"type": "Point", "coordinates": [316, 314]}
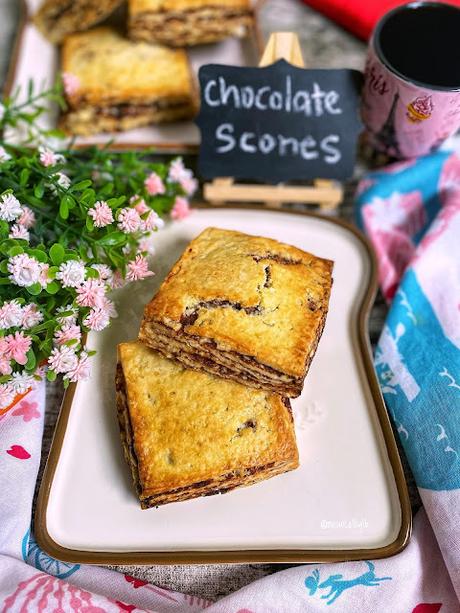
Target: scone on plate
{"type": "Point", "coordinates": [115, 84]}
{"type": "Point", "coordinates": [181, 23]}
{"type": "Point", "coordinates": [58, 18]}
{"type": "Point", "coordinates": [187, 434]}
{"type": "Point", "coordinates": [242, 307]}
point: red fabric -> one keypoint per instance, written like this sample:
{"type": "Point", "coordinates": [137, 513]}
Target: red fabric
{"type": "Point", "coordinates": [358, 16]}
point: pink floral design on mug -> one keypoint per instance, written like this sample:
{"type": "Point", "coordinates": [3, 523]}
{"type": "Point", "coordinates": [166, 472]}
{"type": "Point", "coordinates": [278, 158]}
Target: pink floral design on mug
{"type": "Point", "coordinates": [411, 94]}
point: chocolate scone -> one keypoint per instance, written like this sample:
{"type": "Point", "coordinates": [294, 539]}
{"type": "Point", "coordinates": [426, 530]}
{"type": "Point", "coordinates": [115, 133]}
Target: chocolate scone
{"type": "Point", "coordinates": [242, 307]}
{"type": "Point", "coordinates": [180, 23]}
{"type": "Point", "coordinates": [187, 434]}
{"type": "Point", "coordinates": [117, 84]}
{"type": "Point", "coordinates": [57, 18]}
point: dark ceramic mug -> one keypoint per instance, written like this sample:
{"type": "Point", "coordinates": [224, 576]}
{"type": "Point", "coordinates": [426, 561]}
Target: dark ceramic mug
{"type": "Point", "coordinates": [411, 95]}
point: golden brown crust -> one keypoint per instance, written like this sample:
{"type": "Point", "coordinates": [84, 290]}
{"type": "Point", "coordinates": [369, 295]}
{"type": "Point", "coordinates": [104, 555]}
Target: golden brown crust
{"type": "Point", "coordinates": [188, 22]}
{"type": "Point", "coordinates": [58, 18]}
{"type": "Point", "coordinates": [188, 434]}
{"type": "Point", "coordinates": [245, 302]}
{"type": "Point", "coordinates": [138, 6]}
{"type": "Point", "coordinates": [112, 70]}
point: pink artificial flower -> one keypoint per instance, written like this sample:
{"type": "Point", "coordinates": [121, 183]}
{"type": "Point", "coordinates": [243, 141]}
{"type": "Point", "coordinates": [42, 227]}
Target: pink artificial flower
{"type": "Point", "coordinates": [101, 214]}
{"type": "Point", "coordinates": [19, 232]}
{"type": "Point", "coordinates": [27, 218]}
{"type": "Point", "coordinates": [91, 293]}
{"type": "Point", "coordinates": [68, 332]}
{"type": "Point", "coordinates": [5, 363]}
{"type": "Point", "coordinates": [181, 208]}
{"type": "Point", "coordinates": [129, 220]}
{"type": "Point", "coordinates": [177, 171]}
{"type": "Point", "coordinates": [17, 347]}
{"type": "Point", "coordinates": [154, 185]}
{"type": "Point", "coordinates": [139, 204]}
{"type": "Point", "coordinates": [71, 273]}
{"type": "Point", "coordinates": [7, 395]}
{"type": "Point", "coordinates": [81, 370]}
{"type": "Point", "coordinates": [71, 83]}
{"type": "Point", "coordinates": [44, 279]}
{"type": "Point", "coordinates": [117, 280]}
{"type": "Point", "coordinates": [31, 316]}
{"type": "Point", "coordinates": [24, 270]}
{"type": "Point", "coordinates": [138, 269]}
{"type": "Point", "coordinates": [152, 222]}
{"type": "Point", "coordinates": [109, 307]}
{"type": "Point", "coordinates": [49, 158]}
{"type": "Point", "coordinates": [97, 319]}
{"type": "Point", "coordinates": [63, 359]}
{"type": "Point", "coordinates": [11, 315]}
{"type": "Point", "coordinates": [189, 184]}
{"type": "Point", "coordinates": [146, 245]}
{"type": "Point", "coordinates": [105, 272]}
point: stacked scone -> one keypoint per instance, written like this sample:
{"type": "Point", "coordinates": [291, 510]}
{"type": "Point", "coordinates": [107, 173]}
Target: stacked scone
{"type": "Point", "coordinates": [117, 82]}
{"type": "Point", "coordinates": [203, 396]}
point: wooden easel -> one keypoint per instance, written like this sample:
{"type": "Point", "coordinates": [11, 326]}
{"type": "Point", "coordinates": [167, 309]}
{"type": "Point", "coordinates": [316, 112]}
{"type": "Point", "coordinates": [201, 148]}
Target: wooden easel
{"type": "Point", "coordinates": [327, 194]}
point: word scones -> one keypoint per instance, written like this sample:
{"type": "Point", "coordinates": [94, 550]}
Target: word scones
{"type": "Point", "coordinates": [278, 123]}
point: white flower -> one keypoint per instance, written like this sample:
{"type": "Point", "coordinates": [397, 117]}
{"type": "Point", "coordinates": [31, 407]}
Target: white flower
{"type": "Point", "coordinates": [7, 395]}
{"type": "Point", "coordinates": [22, 381]}
{"type": "Point", "coordinates": [62, 359]}
{"type": "Point", "coordinates": [31, 316]}
{"type": "Point", "coordinates": [10, 208]}
{"type": "Point", "coordinates": [71, 273]}
{"type": "Point", "coordinates": [67, 319]}
{"type": "Point", "coordinates": [11, 315]}
{"type": "Point", "coordinates": [25, 271]}
{"type": "Point", "coordinates": [20, 232]}
{"type": "Point", "coordinates": [4, 155]}
{"type": "Point", "coordinates": [62, 180]}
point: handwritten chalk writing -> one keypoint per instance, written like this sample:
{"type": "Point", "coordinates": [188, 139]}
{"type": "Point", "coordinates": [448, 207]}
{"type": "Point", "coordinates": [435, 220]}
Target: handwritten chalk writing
{"type": "Point", "coordinates": [249, 142]}
{"type": "Point", "coordinates": [277, 123]}
{"type": "Point", "coordinates": [315, 103]}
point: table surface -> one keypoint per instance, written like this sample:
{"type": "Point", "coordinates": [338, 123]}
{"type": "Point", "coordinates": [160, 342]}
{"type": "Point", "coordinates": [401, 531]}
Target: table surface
{"type": "Point", "coordinates": [324, 45]}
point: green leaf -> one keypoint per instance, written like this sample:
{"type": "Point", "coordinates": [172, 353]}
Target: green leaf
{"type": "Point", "coordinates": [34, 289]}
{"type": "Point", "coordinates": [52, 288]}
{"type": "Point", "coordinates": [15, 251]}
{"type": "Point", "coordinates": [81, 185]}
{"type": "Point", "coordinates": [39, 254]}
{"type": "Point", "coordinates": [51, 375]}
{"type": "Point", "coordinates": [57, 254]}
{"type": "Point", "coordinates": [114, 239]}
{"type": "Point", "coordinates": [4, 267]}
{"type": "Point", "coordinates": [64, 208]}
{"type": "Point", "coordinates": [31, 360]}
{"type": "Point", "coordinates": [89, 224]}
{"type": "Point", "coordinates": [92, 273]}
{"type": "Point", "coordinates": [88, 197]}
{"type": "Point", "coordinates": [39, 190]}
{"type": "Point", "coordinates": [24, 177]}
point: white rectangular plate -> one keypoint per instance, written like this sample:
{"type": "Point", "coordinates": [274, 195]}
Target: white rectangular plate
{"type": "Point", "coordinates": [348, 498]}
{"type": "Point", "coordinates": [37, 59]}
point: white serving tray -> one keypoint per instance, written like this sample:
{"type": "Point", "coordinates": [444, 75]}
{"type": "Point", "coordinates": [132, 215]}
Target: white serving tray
{"type": "Point", "coordinates": [36, 58]}
{"type": "Point", "coordinates": [347, 500]}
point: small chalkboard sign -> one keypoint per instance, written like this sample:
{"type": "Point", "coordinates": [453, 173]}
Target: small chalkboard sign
{"type": "Point", "coordinates": [278, 123]}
